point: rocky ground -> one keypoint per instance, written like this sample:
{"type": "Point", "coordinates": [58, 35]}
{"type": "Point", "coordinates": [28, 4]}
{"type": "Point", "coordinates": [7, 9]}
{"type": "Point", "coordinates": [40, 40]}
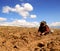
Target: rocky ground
{"type": "Point", "coordinates": [26, 39]}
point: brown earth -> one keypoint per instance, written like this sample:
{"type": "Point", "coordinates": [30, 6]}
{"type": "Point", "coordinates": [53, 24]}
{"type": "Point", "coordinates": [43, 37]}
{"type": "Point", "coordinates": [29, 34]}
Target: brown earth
{"type": "Point", "coordinates": [26, 39]}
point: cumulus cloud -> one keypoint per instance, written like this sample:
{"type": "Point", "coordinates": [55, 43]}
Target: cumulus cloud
{"type": "Point", "coordinates": [55, 24]}
{"type": "Point", "coordinates": [20, 23]}
{"type": "Point", "coordinates": [7, 9]}
{"type": "Point", "coordinates": [23, 9]}
{"type": "Point", "coordinates": [33, 16]}
{"type": "Point", "coordinates": [3, 19]}
{"type": "Point", "coordinates": [28, 7]}
{"type": "Point", "coordinates": [23, 23]}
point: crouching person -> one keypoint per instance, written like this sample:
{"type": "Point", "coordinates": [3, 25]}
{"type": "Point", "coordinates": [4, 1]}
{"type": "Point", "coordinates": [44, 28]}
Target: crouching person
{"type": "Point", "coordinates": [43, 28]}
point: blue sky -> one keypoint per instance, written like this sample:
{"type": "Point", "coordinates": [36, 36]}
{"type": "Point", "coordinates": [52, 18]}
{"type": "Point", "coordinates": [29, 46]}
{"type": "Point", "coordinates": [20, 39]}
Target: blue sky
{"type": "Point", "coordinates": [48, 10]}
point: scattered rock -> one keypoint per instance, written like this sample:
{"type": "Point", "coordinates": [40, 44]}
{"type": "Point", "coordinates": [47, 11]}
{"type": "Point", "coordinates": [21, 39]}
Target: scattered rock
{"type": "Point", "coordinates": [42, 49]}
{"type": "Point", "coordinates": [52, 49]}
{"type": "Point", "coordinates": [15, 46]}
{"type": "Point", "coordinates": [50, 45]}
{"type": "Point", "coordinates": [36, 49]}
{"type": "Point", "coordinates": [40, 45]}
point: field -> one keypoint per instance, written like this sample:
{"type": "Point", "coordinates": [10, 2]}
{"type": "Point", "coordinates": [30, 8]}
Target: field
{"type": "Point", "coordinates": [27, 39]}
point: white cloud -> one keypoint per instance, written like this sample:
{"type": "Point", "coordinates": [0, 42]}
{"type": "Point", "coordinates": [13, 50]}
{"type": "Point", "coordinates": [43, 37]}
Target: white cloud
{"type": "Point", "coordinates": [6, 9]}
{"type": "Point", "coordinates": [23, 9]}
{"type": "Point", "coordinates": [3, 19]}
{"type": "Point", "coordinates": [28, 7]}
{"type": "Point", "coordinates": [33, 16]}
{"type": "Point", "coordinates": [22, 23]}
{"type": "Point", "coordinates": [55, 24]}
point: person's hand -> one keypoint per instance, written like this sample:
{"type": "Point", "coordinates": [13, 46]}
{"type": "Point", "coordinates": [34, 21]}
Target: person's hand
{"type": "Point", "coordinates": [39, 33]}
{"type": "Point", "coordinates": [43, 33]}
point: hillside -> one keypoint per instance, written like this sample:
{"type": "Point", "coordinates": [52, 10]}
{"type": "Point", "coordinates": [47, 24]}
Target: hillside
{"type": "Point", "coordinates": [26, 39]}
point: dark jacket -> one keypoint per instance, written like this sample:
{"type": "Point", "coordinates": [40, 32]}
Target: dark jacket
{"type": "Point", "coordinates": [44, 29]}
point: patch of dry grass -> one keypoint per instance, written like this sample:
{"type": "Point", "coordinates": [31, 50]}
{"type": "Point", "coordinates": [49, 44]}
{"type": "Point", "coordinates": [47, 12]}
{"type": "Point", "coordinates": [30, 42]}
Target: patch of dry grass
{"type": "Point", "coordinates": [26, 39]}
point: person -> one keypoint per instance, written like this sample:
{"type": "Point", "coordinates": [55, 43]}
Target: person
{"type": "Point", "coordinates": [43, 28]}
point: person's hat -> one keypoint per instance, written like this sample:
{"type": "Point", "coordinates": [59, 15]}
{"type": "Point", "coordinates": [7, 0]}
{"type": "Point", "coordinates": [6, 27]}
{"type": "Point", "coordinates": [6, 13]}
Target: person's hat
{"type": "Point", "coordinates": [44, 22]}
